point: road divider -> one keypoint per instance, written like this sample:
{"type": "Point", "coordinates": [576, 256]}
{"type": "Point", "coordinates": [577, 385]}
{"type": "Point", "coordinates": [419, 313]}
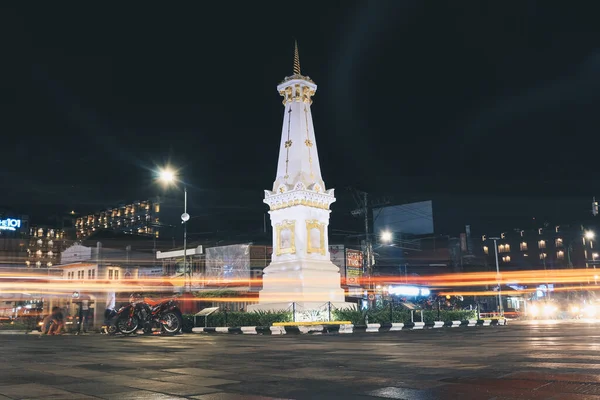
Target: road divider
{"type": "Point", "coordinates": [320, 328]}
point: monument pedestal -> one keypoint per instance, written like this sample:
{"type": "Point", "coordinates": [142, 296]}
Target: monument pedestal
{"type": "Point", "coordinates": [310, 288]}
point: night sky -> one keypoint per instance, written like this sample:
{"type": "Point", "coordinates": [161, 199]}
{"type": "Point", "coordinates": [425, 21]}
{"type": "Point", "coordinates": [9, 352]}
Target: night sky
{"type": "Point", "coordinates": [415, 100]}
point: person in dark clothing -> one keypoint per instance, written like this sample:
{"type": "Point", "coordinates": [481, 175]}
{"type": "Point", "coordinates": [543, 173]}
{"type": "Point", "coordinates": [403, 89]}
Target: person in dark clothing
{"type": "Point", "coordinates": [54, 323]}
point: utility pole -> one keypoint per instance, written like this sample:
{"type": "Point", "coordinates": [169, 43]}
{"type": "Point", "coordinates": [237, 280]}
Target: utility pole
{"type": "Point", "coordinates": [368, 245]}
{"type": "Point", "coordinates": [362, 201]}
{"type": "Point", "coordinates": [500, 308]}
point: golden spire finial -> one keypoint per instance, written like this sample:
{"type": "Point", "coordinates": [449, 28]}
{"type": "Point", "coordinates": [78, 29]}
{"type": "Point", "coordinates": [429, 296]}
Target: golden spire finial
{"type": "Point", "coordinates": [296, 59]}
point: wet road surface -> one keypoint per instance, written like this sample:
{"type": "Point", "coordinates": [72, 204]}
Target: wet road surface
{"type": "Point", "coordinates": [533, 360]}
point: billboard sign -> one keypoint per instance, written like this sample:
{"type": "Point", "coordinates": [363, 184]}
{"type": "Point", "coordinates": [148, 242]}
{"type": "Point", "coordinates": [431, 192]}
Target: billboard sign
{"type": "Point", "coordinates": [10, 224]}
{"type": "Point", "coordinates": [412, 218]}
{"type": "Point", "coordinates": [228, 263]}
{"type": "Point", "coordinates": [354, 267]}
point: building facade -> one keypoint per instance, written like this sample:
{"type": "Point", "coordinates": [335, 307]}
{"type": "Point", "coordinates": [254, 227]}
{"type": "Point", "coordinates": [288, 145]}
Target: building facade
{"type": "Point", "coordinates": [141, 218]}
{"type": "Point", "coordinates": [100, 273]}
{"type": "Point", "coordinates": [548, 247]}
{"type": "Point", "coordinates": [44, 247]}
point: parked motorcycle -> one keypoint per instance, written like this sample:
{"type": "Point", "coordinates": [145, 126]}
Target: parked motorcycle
{"type": "Point", "coordinates": [146, 314]}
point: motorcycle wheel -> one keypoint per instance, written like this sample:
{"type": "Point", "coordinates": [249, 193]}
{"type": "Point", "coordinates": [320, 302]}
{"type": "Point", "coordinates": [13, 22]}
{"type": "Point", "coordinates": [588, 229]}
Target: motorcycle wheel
{"type": "Point", "coordinates": [172, 323]}
{"type": "Point", "coordinates": [127, 326]}
{"type": "Point", "coordinates": [111, 330]}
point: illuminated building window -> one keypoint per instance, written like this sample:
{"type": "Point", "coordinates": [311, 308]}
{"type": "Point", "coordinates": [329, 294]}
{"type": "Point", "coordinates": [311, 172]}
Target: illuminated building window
{"type": "Point", "coordinates": [50, 243]}
{"type": "Point", "coordinates": [522, 233]}
{"type": "Point", "coordinates": [38, 253]}
{"type": "Point", "coordinates": [40, 232]}
{"type": "Point", "coordinates": [503, 248]}
{"type": "Point", "coordinates": [89, 274]}
{"type": "Point", "coordinates": [542, 244]}
{"type": "Point", "coordinates": [560, 255]}
{"type": "Point", "coordinates": [543, 256]}
{"type": "Point", "coordinates": [93, 274]}
{"type": "Point", "coordinates": [156, 234]}
{"type": "Point", "coordinates": [50, 254]}
{"type": "Point", "coordinates": [49, 264]}
{"type": "Point", "coordinates": [486, 250]}
{"type": "Point", "coordinates": [506, 259]}
{"type": "Point", "coordinates": [28, 263]}
{"type": "Point", "coordinates": [157, 208]}
{"type": "Point", "coordinates": [110, 274]}
{"type": "Point", "coordinates": [523, 246]}
{"type": "Point", "coordinates": [558, 242]}
{"type": "Point", "coordinates": [116, 274]}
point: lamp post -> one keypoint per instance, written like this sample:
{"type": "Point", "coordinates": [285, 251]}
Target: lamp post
{"type": "Point", "coordinates": [387, 238]}
{"type": "Point", "coordinates": [500, 308]}
{"type": "Point", "coordinates": [168, 177]}
{"type": "Point", "coordinates": [589, 236]}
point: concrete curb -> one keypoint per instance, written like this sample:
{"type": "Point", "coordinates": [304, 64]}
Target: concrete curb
{"type": "Point", "coordinates": [349, 328]}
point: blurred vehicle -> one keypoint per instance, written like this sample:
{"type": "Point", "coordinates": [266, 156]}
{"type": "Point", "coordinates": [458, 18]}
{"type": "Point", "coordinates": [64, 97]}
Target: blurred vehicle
{"type": "Point", "coordinates": [543, 310]}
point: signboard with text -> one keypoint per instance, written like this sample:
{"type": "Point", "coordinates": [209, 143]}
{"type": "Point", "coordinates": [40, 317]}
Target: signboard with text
{"type": "Point", "coordinates": [10, 224]}
{"type": "Point", "coordinates": [354, 267]}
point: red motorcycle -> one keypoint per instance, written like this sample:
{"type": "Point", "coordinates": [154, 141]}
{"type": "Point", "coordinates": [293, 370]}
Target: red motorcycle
{"type": "Point", "coordinates": [147, 314]}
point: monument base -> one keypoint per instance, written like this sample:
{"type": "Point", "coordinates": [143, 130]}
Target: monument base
{"type": "Point", "coordinates": [305, 311]}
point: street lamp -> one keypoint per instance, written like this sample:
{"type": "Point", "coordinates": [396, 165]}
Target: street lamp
{"type": "Point", "coordinates": [386, 236]}
{"type": "Point", "coordinates": [168, 177]}
{"type": "Point", "coordinates": [500, 308]}
{"type": "Point", "coordinates": [590, 235]}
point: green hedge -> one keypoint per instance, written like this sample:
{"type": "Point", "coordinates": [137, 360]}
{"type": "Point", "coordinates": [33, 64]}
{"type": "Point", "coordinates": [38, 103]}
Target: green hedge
{"type": "Point", "coordinates": [378, 315]}
{"type": "Point", "coordinates": [17, 326]}
{"type": "Point", "coordinates": [382, 315]}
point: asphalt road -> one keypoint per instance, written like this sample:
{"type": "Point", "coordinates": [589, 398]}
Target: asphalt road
{"type": "Point", "coordinates": [518, 361]}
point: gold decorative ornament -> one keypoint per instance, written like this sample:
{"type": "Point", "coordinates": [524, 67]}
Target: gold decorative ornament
{"type": "Point", "coordinates": [286, 94]}
{"type": "Point", "coordinates": [308, 143]}
{"type": "Point", "coordinates": [297, 92]}
{"type": "Point", "coordinates": [288, 144]}
{"type": "Point", "coordinates": [315, 237]}
{"type": "Point", "coordinates": [286, 237]}
{"type": "Point", "coordinates": [307, 94]}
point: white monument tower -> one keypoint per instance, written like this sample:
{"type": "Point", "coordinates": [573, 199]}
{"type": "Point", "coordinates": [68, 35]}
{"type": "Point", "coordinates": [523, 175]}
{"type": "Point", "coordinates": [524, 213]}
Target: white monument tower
{"type": "Point", "coordinates": [301, 274]}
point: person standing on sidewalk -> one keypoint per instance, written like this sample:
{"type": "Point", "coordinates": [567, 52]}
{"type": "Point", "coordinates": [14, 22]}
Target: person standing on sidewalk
{"type": "Point", "coordinates": [84, 309]}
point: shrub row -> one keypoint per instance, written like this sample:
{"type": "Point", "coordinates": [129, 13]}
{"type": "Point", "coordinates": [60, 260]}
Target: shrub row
{"type": "Point", "coordinates": [377, 315]}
